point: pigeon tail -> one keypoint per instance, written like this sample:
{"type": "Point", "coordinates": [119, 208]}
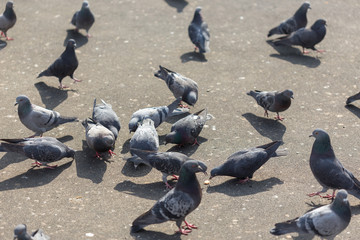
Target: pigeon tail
{"type": "Point", "coordinates": [62, 120]}
{"type": "Point", "coordinates": [136, 160]}
{"type": "Point", "coordinates": [46, 73]}
{"type": "Point", "coordinates": [144, 220]}
{"type": "Point", "coordinates": [285, 227]}
{"type": "Point", "coordinates": [283, 41]}
{"type": "Point", "coordinates": [9, 147]}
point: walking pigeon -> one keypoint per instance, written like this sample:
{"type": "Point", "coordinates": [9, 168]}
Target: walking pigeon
{"type": "Point", "coordinates": [179, 85]}
{"type": "Point", "coordinates": [105, 115]}
{"type": "Point", "coordinates": [178, 202]}
{"type": "Point", "coordinates": [20, 233]}
{"type": "Point", "coordinates": [199, 32]}
{"type": "Point", "coordinates": [353, 98]}
{"type": "Point", "coordinates": [83, 19]}
{"type": "Point", "coordinates": [39, 119]}
{"type": "Point", "coordinates": [273, 101]}
{"type": "Point", "coordinates": [7, 20]}
{"type": "Point", "coordinates": [326, 221]}
{"type": "Point", "coordinates": [64, 66]}
{"type": "Point", "coordinates": [244, 163]}
{"type": "Point", "coordinates": [43, 150]}
{"type": "Point", "coordinates": [297, 21]}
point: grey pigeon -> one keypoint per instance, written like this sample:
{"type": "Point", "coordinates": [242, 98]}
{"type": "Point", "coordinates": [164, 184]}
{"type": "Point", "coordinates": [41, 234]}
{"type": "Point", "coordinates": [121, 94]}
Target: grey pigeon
{"type": "Point", "coordinates": [39, 119]}
{"type": "Point", "coordinates": [64, 66]}
{"type": "Point", "coordinates": [98, 137]}
{"type": "Point", "coordinates": [105, 115]}
{"type": "Point", "coordinates": [157, 114]}
{"type": "Point", "coordinates": [187, 129]}
{"type": "Point", "coordinates": [273, 101]}
{"type": "Point", "coordinates": [326, 221]}
{"type": "Point", "coordinates": [178, 202]}
{"type": "Point", "coordinates": [299, 20]}
{"type": "Point", "coordinates": [244, 163]}
{"type": "Point", "coordinates": [353, 98]}
{"type": "Point", "coordinates": [84, 18]}
{"type": "Point", "coordinates": [306, 38]}
{"type": "Point", "coordinates": [328, 170]}
{"type": "Point", "coordinates": [43, 150]}
{"type": "Point", "coordinates": [199, 32]}
{"type": "Point", "coordinates": [7, 20]}
{"type": "Point", "coordinates": [20, 233]}
{"type": "Point", "coordinates": [179, 85]}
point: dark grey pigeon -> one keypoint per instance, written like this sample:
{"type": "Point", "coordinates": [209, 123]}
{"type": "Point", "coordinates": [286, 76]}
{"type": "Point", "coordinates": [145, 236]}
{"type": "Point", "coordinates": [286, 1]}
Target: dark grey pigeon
{"type": "Point", "coordinates": [199, 32]}
{"type": "Point", "coordinates": [179, 85]}
{"type": "Point", "coordinates": [187, 129]}
{"type": "Point", "coordinates": [353, 98]}
{"type": "Point", "coordinates": [273, 101]}
{"type": "Point", "coordinates": [39, 119]}
{"type": "Point", "coordinates": [7, 20]}
{"type": "Point", "coordinates": [64, 66]}
{"type": "Point", "coordinates": [326, 221]}
{"type": "Point", "coordinates": [306, 38]}
{"type": "Point", "coordinates": [98, 137]}
{"type": "Point", "coordinates": [83, 19]}
{"type": "Point", "coordinates": [328, 170]}
{"type": "Point", "coordinates": [244, 163]}
{"type": "Point", "coordinates": [20, 233]}
{"type": "Point", "coordinates": [105, 115]}
{"type": "Point", "coordinates": [157, 114]}
{"type": "Point", "coordinates": [43, 150]}
{"type": "Point", "coordinates": [299, 20]}
{"type": "Point", "coordinates": [178, 202]}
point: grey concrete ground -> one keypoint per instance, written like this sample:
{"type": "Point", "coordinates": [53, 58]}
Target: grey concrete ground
{"type": "Point", "coordinates": [91, 199]}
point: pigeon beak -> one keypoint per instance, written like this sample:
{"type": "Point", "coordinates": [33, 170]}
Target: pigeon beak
{"type": "Point", "coordinates": [16, 103]}
{"type": "Point", "coordinates": [210, 177]}
{"type": "Point", "coordinates": [292, 97]}
{"type": "Point", "coordinates": [311, 135]}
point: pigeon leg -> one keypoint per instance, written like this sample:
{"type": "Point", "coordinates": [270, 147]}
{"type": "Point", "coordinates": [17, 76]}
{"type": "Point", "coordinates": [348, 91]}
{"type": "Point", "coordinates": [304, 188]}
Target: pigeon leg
{"type": "Point", "coordinates": [317, 193]}
{"type": "Point", "coordinates": [2, 34]}
{"type": "Point", "coordinates": [184, 231]}
{"type": "Point", "coordinates": [266, 114]}
{"type": "Point", "coordinates": [36, 164]}
{"type": "Point", "coordinates": [175, 177]}
{"type": "Point", "coordinates": [168, 186]}
{"type": "Point", "coordinates": [189, 225]}
{"type": "Point", "coordinates": [111, 153]}
{"type": "Point", "coordinates": [62, 86]}
{"type": "Point", "coordinates": [241, 181]}
{"type": "Point", "coordinates": [330, 197]}
{"type": "Point", "coordinates": [196, 142]}
{"type": "Point", "coordinates": [320, 51]}
{"type": "Point", "coordinates": [196, 48]}
{"type": "Point", "coordinates": [278, 117]}
{"type": "Point", "coordinates": [76, 80]}
{"type": "Point", "coordinates": [97, 155]}
{"type": "Point", "coordinates": [9, 39]}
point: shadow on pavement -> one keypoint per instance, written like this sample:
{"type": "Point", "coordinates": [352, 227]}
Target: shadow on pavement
{"type": "Point", "coordinates": [80, 39]}
{"type": "Point", "coordinates": [130, 171]}
{"type": "Point", "coordinates": [152, 191]}
{"type": "Point", "coordinates": [272, 129]}
{"type": "Point", "coordinates": [188, 149]}
{"type": "Point", "coordinates": [178, 4]}
{"type": "Point", "coordinates": [193, 56]}
{"type": "Point", "coordinates": [355, 110]}
{"type": "Point", "coordinates": [3, 44]}
{"type": "Point", "coordinates": [144, 234]}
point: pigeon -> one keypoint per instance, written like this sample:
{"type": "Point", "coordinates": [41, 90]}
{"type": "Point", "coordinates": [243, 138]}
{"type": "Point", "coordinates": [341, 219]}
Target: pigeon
{"type": "Point", "coordinates": [98, 137]}
{"type": "Point", "coordinates": [294, 23]}
{"type": "Point", "coordinates": [328, 170]}
{"type": "Point", "coordinates": [105, 115]}
{"type": "Point", "coordinates": [157, 114]}
{"type": "Point", "coordinates": [273, 101]}
{"type": "Point", "coordinates": [39, 119]}
{"type": "Point", "coordinates": [83, 19]}
{"type": "Point", "coordinates": [43, 150]}
{"type": "Point", "coordinates": [199, 32]}
{"type": "Point", "coordinates": [353, 98]}
{"type": "Point", "coordinates": [306, 38]}
{"type": "Point", "coordinates": [326, 221]}
{"type": "Point", "coordinates": [187, 129]}
{"type": "Point", "coordinates": [179, 85]}
{"type": "Point", "coordinates": [20, 233]}
{"type": "Point", "coordinates": [178, 202]}
{"type": "Point", "coordinates": [244, 163]}
{"type": "Point", "coordinates": [7, 20]}
{"type": "Point", "coordinates": [64, 66]}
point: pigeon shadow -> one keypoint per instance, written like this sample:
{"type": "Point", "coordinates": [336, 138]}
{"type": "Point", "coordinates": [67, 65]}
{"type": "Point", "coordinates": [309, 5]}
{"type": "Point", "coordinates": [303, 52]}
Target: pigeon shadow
{"type": "Point", "coordinates": [193, 56]}
{"type": "Point", "coordinates": [233, 188]}
{"type": "Point", "coordinates": [355, 110]}
{"type": "Point", "coordinates": [188, 149]}
{"type": "Point", "coordinates": [178, 4]}
{"type": "Point", "coordinates": [145, 234]}
{"type": "Point", "coordinates": [3, 44]}
{"type": "Point", "coordinates": [33, 178]}
{"type": "Point", "coordinates": [88, 166]}
{"type": "Point", "coordinates": [130, 171]}
{"type": "Point", "coordinates": [126, 146]}
{"type": "Point", "coordinates": [152, 191]}
{"type": "Point", "coordinates": [80, 39]}
{"type": "Point", "coordinates": [174, 119]}
{"type": "Point", "coordinates": [269, 128]}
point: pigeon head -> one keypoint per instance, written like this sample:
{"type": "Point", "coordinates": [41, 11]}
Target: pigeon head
{"type": "Point", "coordinates": [173, 137]}
{"type": "Point", "coordinates": [10, 4]}
{"type": "Point", "coordinates": [197, 16]}
{"type": "Point", "coordinates": [133, 124]}
{"type": "Point", "coordinates": [85, 4]}
{"type": "Point", "coordinates": [20, 232]}
{"type": "Point", "coordinates": [320, 135]}
{"type": "Point", "coordinates": [306, 6]}
{"type": "Point", "coordinates": [70, 153]}
{"type": "Point", "coordinates": [71, 43]}
{"type": "Point", "coordinates": [319, 24]}
{"type": "Point", "coordinates": [198, 10]}
{"type": "Point", "coordinates": [195, 166]}
{"type": "Point", "coordinates": [288, 93]}
{"type": "Point", "coordinates": [341, 204]}
{"type": "Point", "coordinates": [191, 98]}
{"type": "Point", "coordinates": [214, 172]}
{"type": "Point", "coordinates": [21, 100]}
{"type": "Point", "coordinates": [162, 73]}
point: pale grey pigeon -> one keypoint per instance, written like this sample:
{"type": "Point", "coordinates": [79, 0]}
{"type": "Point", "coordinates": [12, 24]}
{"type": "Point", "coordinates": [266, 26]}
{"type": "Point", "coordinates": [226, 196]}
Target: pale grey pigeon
{"type": "Point", "coordinates": [199, 32]}
{"type": "Point", "coordinates": [326, 221]}
{"type": "Point", "coordinates": [297, 21]}
{"type": "Point", "coordinates": [7, 20]}
{"type": "Point", "coordinates": [98, 137]}
{"type": "Point", "coordinates": [178, 202]}
{"type": "Point", "coordinates": [20, 233]}
{"type": "Point", "coordinates": [84, 18]}
{"type": "Point", "coordinates": [244, 163]}
{"type": "Point", "coordinates": [179, 85]}
{"type": "Point", "coordinates": [43, 150]}
{"type": "Point", "coordinates": [64, 66]}
{"type": "Point", "coordinates": [105, 115]}
{"type": "Point", "coordinates": [157, 114]}
{"type": "Point", "coordinates": [353, 98]}
{"type": "Point", "coordinates": [306, 38]}
{"type": "Point", "coordinates": [39, 119]}
{"type": "Point", "coordinates": [273, 101]}
{"type": "Point", "coordinates": [328, 170]}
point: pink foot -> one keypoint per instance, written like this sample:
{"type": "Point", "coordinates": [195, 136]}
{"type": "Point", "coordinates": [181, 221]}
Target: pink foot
{"type": "Point", "coordinates": [168, 186]}
{"type": "Point", "coordinates": [2, 34]}
{"type": "Point", "coordinates": [184, 231]}
{"type": "Point", "coordinates": [76, 80]}
{"type": "Point", "coordinates": [9, 39]}
{"type": "Point", "coordinates": [36, 164]}
{"type": "Point", "coordinates": [320, 51]}
{"type": "Point", "coordinates": [88, 36]}
{"type": "Point", "coordinates": [242, 181]}
{"type": "Point", "coordinates": [51, 167]}
{"type": "Point", "coordinates": [97, 155]}
{"type": "Point", "coordinates": [196, 142]}
{"type": "Point", "coordinates": [175, 177]}
{"type": "Point", "coordinates": [306, 52]}
{"type": "Point", "coordinates": [189, 225]}
{"type": "Point", "coordinates": [111, 153]}
{"type": "Point", "coordinates": [279, 118]}
{"type": "Point", "coordinates": [184, 106]}
{"type": "Point", "coordinates": [62, 86]}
